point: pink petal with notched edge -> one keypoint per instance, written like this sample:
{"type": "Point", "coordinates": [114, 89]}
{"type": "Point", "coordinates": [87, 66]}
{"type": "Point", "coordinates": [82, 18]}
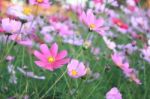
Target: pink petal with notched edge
{"type": "Point", "coordinates": [61, 55]}
{"type": "Point", "coordinates": [60, 63]}
{"type": "Point", "coordinates": [82, 17]}
{"type": "Point", "coordinates": [39, 56]}
{"type": "Point", "coordinates": [54, 49]}
{"type": "Point", "coordinates": [99, 22]}
{"type": "Point", "coordinates": [73, 65]}
{"type": "Point", "coordinates": [45, 50]}
{"type": "Point", "coordinates": [44, 65]}
{"type": "Point", "coordinates": [40, 63]}
{"type": "Point", "coordinates": [90, 16]}
{"type": "Point", "coordinates": [81, 69]}
{"type": "Point", "coordinates": [49, 67]}
{"type": "Point", "coordinates": [114, 93]}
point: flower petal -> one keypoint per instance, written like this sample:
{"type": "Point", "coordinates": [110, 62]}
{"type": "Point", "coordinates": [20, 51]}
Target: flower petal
{"type": "Point", "coordinates": [40, 63]}
{"type": "Point", "coordinates": [39, 56]}
{"type": "Point", "coordinates": [54, 49]}
{"type": "Point", "coordinates": [73, 65]}
{"type": "Point", "coordinates": [90, 16]}
{"type": "Point", "coordinates": [60, 63]}
{"type": "Point", "coordinates": [45, 50]}
{"type": "Point", "coordinates": [61, 55]}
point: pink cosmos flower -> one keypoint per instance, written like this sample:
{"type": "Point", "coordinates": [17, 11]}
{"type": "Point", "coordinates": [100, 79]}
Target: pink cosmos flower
{"type": "Point", "coordinates": [114, 93]}
{"type": "Point", "coordinates": [118, 60]}
{"type": "Point", "coordinates": [76, 69]}
{"type": "Point", "coordinates": [11, 26]}
{"type": "Point", "coordinates": [50, 59]}
{"type": "Point", "coordinates": [44, 3]}
{"type": "Point", "coordinates": [94, 24]}
{"type": "Point", "coordinates": [120, 23]}
{"type": "Point", "coordinates": [124, 66]}
{"type": "Point", "coordinates": [62, 29]}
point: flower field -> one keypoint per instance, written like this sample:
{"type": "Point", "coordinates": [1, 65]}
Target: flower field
{"type": "Point", "coordinates": [74, 49]}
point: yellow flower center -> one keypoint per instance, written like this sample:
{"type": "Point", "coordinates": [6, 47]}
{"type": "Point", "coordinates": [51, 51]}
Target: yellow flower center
{"type": "Point", "coordinates": [74, 72]}
{"type": "Point", "coordinates": [92, 26]}
{"type": "Point", "coordinates": [119, 23]}
{"type": "Point", "coordinates": [39, 1]}
{"type": "Point", "coordinates": [51, 59]}
{"type": "Point", "coordinates": [27, 11]}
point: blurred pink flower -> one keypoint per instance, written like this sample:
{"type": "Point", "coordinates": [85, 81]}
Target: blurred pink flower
{"type": "Point", "coordinates": [50, 59]}
{"type": "Point", "coordinates": [114, 93]}
{"type": "Point", "coordinates": [76, 69]}
{"type": "Point", "coordinates": [10, 58]}
{"type": "Point", "coordinates": [94, 24]}
{"type": "Point", "coordinates": [11, 26]}
{"type": "Point", "coordinates": [131, 73]}
{"type": "Point", "coordinates": [62, 29]}
{"type": "Point", "coordinates": [18, 38]}
{"type": "Point", "coordinates": [120, 23]}
{"type": "Point", "coordinates": [44, 3]}
{"type": "Point", "coordinates": [119, 60]}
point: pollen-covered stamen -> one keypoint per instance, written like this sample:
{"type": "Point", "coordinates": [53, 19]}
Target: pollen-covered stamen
{"type": "Point", "coordinates": [39, 1]}
{"type": "Point", "coordinates": [92, 26]}
{"type": "Point", "coordinates": [27, 11]}
{"type": "Point", "coordinates": [51, 59]}
{"type": "Point", "coordinates": [74, 72]}
{"type": "Point", "coordinates": [119, 23]}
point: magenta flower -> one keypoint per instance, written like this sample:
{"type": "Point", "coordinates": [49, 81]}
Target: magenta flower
{"type": "Point", "coordinates": [114, 93]}
{"type": "Point", "coordinates": [94, 24]}
{"type": "Point", "coordinates": [120, 23]}
{"type": "Point", "coordinates": [50, 59]}
{"type": "Point", "coordinates": [76, 69]}
{"type": "Point", "coordinates": [44, 3]}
